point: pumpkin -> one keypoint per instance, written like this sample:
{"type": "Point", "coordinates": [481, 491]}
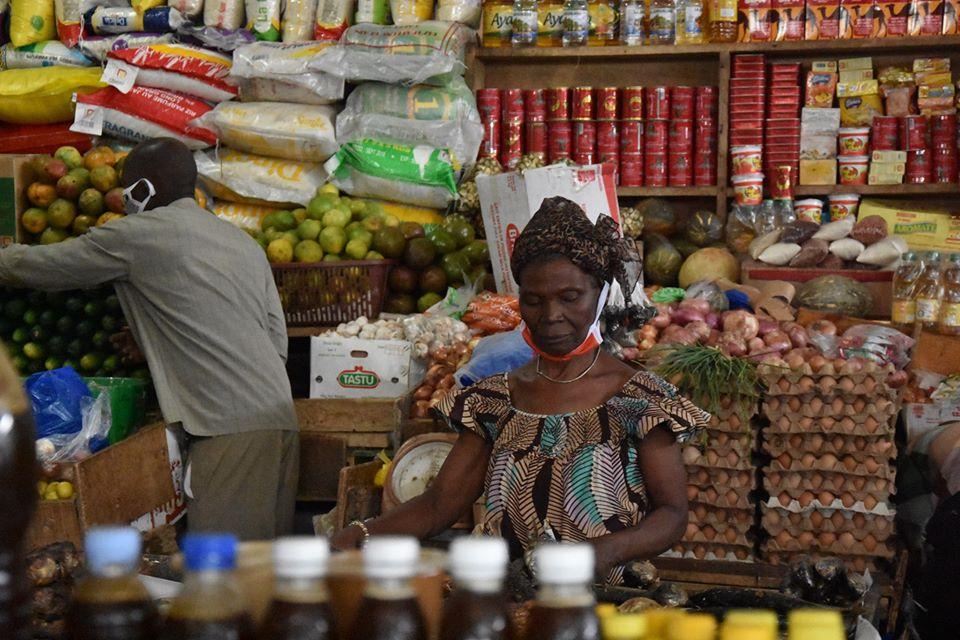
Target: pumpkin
{"type": "Point", "coordinates": [709, 264]}
{"type": "Point", "coordinates": [684, 246]}
{"type": "Point", "coordinates": [658, 217]}
{"type": "Point", "coordinates": [835, 294]}
{"type": "Point", "coordinates": [704, 228]}
{"type": "Point", "coordinates": [661, 261]}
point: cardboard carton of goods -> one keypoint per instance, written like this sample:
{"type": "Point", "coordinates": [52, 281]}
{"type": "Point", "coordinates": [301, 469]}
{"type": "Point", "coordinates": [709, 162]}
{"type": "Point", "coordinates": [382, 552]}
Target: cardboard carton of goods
{"type": "Point", "coordinates": [924, 227]}
{"type": "Point", "coordinates": [926, 18]}
{"type": "Point", "coordinates": [859, 19]}
{"type": "Point", "coordinates": [754, 21]}
{"type": "Point", "coordinates": [822, 19]}
{"type": "Point", "coordinates": [788, 20]}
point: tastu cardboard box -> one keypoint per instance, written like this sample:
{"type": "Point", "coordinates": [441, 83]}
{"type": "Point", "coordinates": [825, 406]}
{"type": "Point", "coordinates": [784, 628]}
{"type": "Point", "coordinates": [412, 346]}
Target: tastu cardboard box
{"type": "Point", "coordinates": [356, 368]}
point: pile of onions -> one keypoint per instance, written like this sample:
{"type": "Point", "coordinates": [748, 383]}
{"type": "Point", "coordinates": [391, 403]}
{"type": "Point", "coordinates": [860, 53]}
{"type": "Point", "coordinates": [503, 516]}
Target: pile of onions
{"type": "Point", "coordinates": [439, 380]}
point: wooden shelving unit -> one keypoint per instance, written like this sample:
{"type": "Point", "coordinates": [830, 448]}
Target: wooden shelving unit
{"type": "Point", "coordinates": [709, 64]}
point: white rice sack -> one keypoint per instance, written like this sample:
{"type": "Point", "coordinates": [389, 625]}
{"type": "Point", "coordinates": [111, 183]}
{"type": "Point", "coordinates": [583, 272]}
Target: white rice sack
{"type": "Point", "coordinates": [464, 11]}
{"type": "Point", "coordinates": [430, 52]}
{"type": "Point", "coordinates": [97, 47]}
{"type": "Point", "coordinates": [333, 18]}
{"type": "Point", "coordinates": [240, 177]}
{"type": "Point", "coordinates": [267, 70]}
{"type": "Point", "coordinates": [761, 243]}
{"type": "Point", "coordinates": [182, 68]}
{"type": "Point", "coordinates": [418, 115]}
{"type": "Point", "coordinates": [883, 252]}
{"type": "Point", "coordinates": [189, 8]}
{"type": "Point", "coordinates": [263, 19]}
{"type": "Point", "coordinates": [248, 217]}
{"type": "Point", "coordinates": [267, 90]}
{"type": "Point", "coordinates": [422, 176]}
{"type": "Point", "coordinates": [288, 131]}
{"type": "Point", "coordinates": [298, 20]}
{"type": "Point", "coordinates": [51, 53]}
{"type": "Point", "coordinates": [846, 248]}
{"type": "Point", "coordinates": [779, 254]}
{"type": "Point", "coordinates": [223, 14]}
{"type": "Point", "coordinates": [835, 230]}
{"type": "Point", "coordinates": [69, 21]}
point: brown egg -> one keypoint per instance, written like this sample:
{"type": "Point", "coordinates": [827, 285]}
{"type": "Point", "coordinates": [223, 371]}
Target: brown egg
{"type": "Point", "coordinates": [712, 458]}
{"type": "Point", "coordinates": [816, 480]}
{"type": "Point", "coordinates": [825, 498]}
{"type": "Point", "coordinates": [805, 539]}
{"type": "Point", "coordinates": [837, 443]}
{"type": "Point", "coordinates": [827, 383]}
{"type": "Point", "coordinates": [785, 460]}
{"type": "Point", "coordinates": [816, 405]}
{"type": "Point", "coordinates": [849, 463]}
{"type": "Point", "coordinates": [869, 543]}
{"type": "Point", "coordinates": [816, 519]}
{"type": "Point", "coordinates": [828, 460]}
{"type": "Point", "coordinates": [860, 443]}
{"type": "Point", "coordinates": [700, 512]}
{"type": "Point", "coordinates": [827, 539]}
{"type": "Point", "coordinates": [699, 551]}
{"type": "Point", "coordinates": [869, 385]}
{"type": "Point", "coordinates": [805, 499]}
{"type": "Point", "coordinates": [816, 441]}
{"type": "Point", "coordinates": [827, 423]}
{"type": "Point", "coordinates": [741, 553]}
{"type": "Point", "coordinates": [859, 404]}
{"type": "Point", "coordinates": [805, 423]}
{"type": "Point", "coordinates": [794, 403]}
{"type": "Point", "coordinates": [711, 495]}
{"type": "Point", "coordinates": [734, 421]}
{"type": "Point", "coordinates": [745, 479]}
{"type": "Point", "coordinates": [859, 520]}
{"type": "Point", "coordinates": [793, 480]}
{"type": "Point", "coordinates": [796, 441]}
{"type": "Point", "coordinates": [692, 492]}
{"type": "Point", "coordinates": [871, 465]}
{"type": "Point", "coordinates": [772, 403]}
{"type": "Point", "coordinates": [848, 500]}
{"type": "Point", "coordinates": [846, 540]}
{"type": "Point", "coordinates": [784, 385]}
{"type": "Point", "coordinates": [783, 539]}
{"type": "Point", "coordinates": [808, 460]}
{"type": "Point", "coordinates": [785, 498]}
{"type": "Point", "coordinates": [837, 519]}
{"type": "Point", "coordinates": [870, 502]}
{"type": "Point", "coordinates": [847, 424]}
{"type": "Point", "coordinates": [858, 482]}
{"type": "Point", "coordinates": [837, 406]}
{"type": "Point", "coordinates": [774, 479]}
{"type": "Point", "coordinates": [732, 497]}
{"type": "Point", "coordinates": [703, 477]}
{"type": "Point", "coordinates": [722, 439]}
{"type": "Point", "coordinates": [709, 532]}
{"type": "Point", "coordinates": [870, 424]}
{"type": "Point", "coordinates": [730, 535]}
{"type": "Point", "coordinates": [692, 530]}
{"type": "Point", "coordinates": [846, 385]}
{"type": "Point", "coordinates": [733, 458]}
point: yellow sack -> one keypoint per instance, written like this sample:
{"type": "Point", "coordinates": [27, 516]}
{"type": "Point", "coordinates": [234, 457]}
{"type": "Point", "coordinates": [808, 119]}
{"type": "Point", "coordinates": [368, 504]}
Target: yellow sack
{"type": "Point", "coordinates": [43, 96]}
{"type": "Point", "coordinates": [143, 5]}
{"type": "Point", "coordinates": [248, 217]}
{"type": "Point", "coordinates": [32, 21]}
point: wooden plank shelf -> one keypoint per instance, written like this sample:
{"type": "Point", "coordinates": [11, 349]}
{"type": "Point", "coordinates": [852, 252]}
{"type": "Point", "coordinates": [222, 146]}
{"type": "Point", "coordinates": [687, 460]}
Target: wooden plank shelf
{"type": "Point", "coordinates": [306, 332]}
{"type": "Point", "coordinates": [880, 190]}
{"type": "Point", "coordinates": [661, 192]}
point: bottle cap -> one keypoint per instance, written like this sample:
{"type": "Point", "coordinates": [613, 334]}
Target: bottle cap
{"type": "Point", "coordinates": [752, 617]}
{"type": "Point", "coordinates": [803, 618]}
{"type": "Point", "coordinates": [746, 632]}
{"type": "Point", "coordinates": [558, 563]}
{"type": "Point", "coordinates": [605, 609]}
{"type": "Point", "coordinates": [817, 633]}
{"type": "Point", "coordinates": [626, 626]}
{"type": "Point", "coordinates": [112, 546]}
{"type": "Point", "coordinates": [210, 551]}
{"type": "Point", "coordinates": [391, 557]}
{"type": "Point", "coordinates": [301, 557]}
{"type": "Point", "coordinates": [478, 558]}
{"type": "Point", "coordinates": [694, 626]}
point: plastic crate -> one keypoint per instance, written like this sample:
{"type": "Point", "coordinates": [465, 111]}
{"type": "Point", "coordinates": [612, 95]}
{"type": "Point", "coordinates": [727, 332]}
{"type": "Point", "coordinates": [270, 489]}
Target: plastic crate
{"type": "Point", "coordinates": [328, 293]}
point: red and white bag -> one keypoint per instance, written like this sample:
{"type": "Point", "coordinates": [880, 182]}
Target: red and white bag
{"type": "Point", "coordinates": [144, 113]}
{"type": "Point", "coordinates": [182, 68]}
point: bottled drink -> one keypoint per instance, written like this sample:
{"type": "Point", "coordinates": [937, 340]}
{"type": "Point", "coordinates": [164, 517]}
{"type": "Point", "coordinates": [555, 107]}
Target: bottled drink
{"type": "Point", "coordinates": [576, 23]}
{"type": "Point", "coordinates": [18, 497]}
{"type": "Point", "coordinates": [111, 603]}
{"type": "Point", "coordinates": [767, 219]}
{"type": "Point", "coordinates": [550, 23]}
{"type": "Point", "coordinates": [477, 609]}
{"type": "Point", "coordinates": [694, 626]}
{"type": "Point", "coordinates": [904, 311]}
{"type": "Point", "coordinates": [389, 609]}
{"type": "Point", "coordinates": [604, 22]}
{"type": "Point", "coordinates": [723, 20]}
{"type": "Point", "coordinates": [524, 23]}
{"type": "Point", "coordinates": [210, 606]}
{"type": "Point", "coordinates": [633, 15]}
{"type": "Point", "coordinates": [663, 21]}
{"type": "Point", "coordinates": [623, 626]}
{"type": "Point", "coordinates": [929, 291]}
{"type": "Point", "coordinates": [950, 309]}
{"type": "Point", "coordinates": [815, 624]}
{"type": "Point", "coordinates": [691, 16]}
{"type": "Point", "coordinates": [564, 605]}
{"type": "Point", "coordinates": [497, 23]}
{"type": "Point", "coordinates": [784, 211]}
{"type": "Point", "coordinates": [299, 610]}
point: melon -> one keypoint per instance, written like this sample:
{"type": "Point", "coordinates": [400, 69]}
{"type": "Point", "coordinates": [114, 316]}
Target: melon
{"type": "Point", "coordinates": [709, 264]}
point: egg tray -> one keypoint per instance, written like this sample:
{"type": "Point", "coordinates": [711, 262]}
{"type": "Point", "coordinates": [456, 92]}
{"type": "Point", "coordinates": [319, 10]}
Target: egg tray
{"type": "Point", "coordinates": [881, 508]}
{"type": "Point", "coordinates": [777, 481]}
{"type": "Point", "coordinates": [720, 458]}
{"type": "Point", "coordinates": [736, 538]}
{"type": "Point", "coordinates": [738, 518]}
{"type": "Point", "coordinates": [855, 563]}
{"type": "Point", "coordinates": [828, 386]}
{"type": "Point", "coordinates": [867, 426]}
{"type": "Point", "coordinates": [730, 498]}
{"type": "Point", "coordinates": [859, 447]}
{"type": "Point", "coordinates": [743, 441]}
{"type": "Point", "coordinates": [880, 550]}
{"type": "Point", "coordinates": [712, 551]}
{"type": "Point", "coordinates": [814, 406]}
{"type": "Point", "coordinates": [730, 421]}
{"type": "Point", "coordinates": [766, 370]}
{"type": "Point", "coordinates": [846, 466]}
{"type": "Point", "coordinates": [860, 526]}
{"type": "Point", "coordinates": [713, 477]}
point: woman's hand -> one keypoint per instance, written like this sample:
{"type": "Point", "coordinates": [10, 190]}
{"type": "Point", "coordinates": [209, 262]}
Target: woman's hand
{"type": "Point", "coordinates": [347, 538]}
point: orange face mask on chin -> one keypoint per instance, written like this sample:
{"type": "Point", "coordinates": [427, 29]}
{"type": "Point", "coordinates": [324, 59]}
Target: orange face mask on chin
{"type": "Point", "coordinates": [591, 341]}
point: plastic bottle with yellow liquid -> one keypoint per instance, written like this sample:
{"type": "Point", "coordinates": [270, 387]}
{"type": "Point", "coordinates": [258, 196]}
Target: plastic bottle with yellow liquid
{"type": "Point", "coordinates": [749, 624]}
{"type": "Point", "coordinates": [659, 621]}
{"type": "Point", "coordinates": [950, 309]}
{"type": "Point", "coordinates": [604, 22]}
{"type": "Point", "coordinates": [497, 23]}
{"type": "Point", "coordinates": [692, 24]}
{"type": "Point", "coordinates": [550, 23]}
{"type": "Point", "coordinates": [815, 624]}
{"type": "Point", "coordinates": [929, 291]}
{"type": "Point", "coordinates": [723, 20]}
{"type": "Point", "coordinates": [903, 312]}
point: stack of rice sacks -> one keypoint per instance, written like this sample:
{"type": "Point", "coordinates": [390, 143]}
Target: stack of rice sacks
{"type": "Point", "coordinates": [721, 477]}
{"type": "Point", "coordinates": [831, 474]}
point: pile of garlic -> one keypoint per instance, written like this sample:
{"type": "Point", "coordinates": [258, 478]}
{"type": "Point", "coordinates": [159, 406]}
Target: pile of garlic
{"type": "Point", "coordinates": [426, 332]}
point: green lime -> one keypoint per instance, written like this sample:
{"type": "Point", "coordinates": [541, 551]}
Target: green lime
{"type": "Point", "coordinates": [93, 309]}
{"type": "Point", "coordinates": [48, 318]}
{"type": "Point", "coordinates": [110, 323]}
{"type": "Point", "coordinates": [443, 240]}
{"type": "Point", "coordinates": [100, 339]}
{"type": "Point", "coordinates": [52, 363]}
{"type": "Point", "coordinates": [455, 265]}
{"type": "Point", "coordinates": [426, 301]}
{"type": "Point", "coordinates": [74, 304]}
{"type": "Point", "coordinates": [477, 251]}
{"type": "Point", "coordinates": [86, 327]}
{"type": "Point", "coordinates": [75, 348]}
{"type": "Point", "coordinates": [38, 334]}
{"type": "Point", "coordinates": [65, 325]}
{"type": "Point", "coordinates": [111, 363]}
{"type": "Point", "coordinates": [34, 351]}
{"type": "Point", "coordinates": [91, 362]}
{"type": "Point", "coordinates": [31, 317]}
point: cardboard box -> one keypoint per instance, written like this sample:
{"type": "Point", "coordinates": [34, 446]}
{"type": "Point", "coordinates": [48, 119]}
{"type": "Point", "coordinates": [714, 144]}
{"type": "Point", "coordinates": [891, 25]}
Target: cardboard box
{"type": "Point", "coordinates": [117, 485]}
{"type": "Point", "coordinates": [818, 172]}
{"type": "Point", "coordinates": [854, 64]}
{"type": "Point", "coordinates": [926, 18]}
{"type": "Point", "coordinates": [856, 75]}
{"type": "Point", "coordinates": [924, 227]}
{"type": "Point", "coordinates": [824, 66]}
{"type": "Point", "coordinates": [885, 176]}
{"type": "Point", "coordinates": [754, 21]}
{"type": "Point", "coordinates": [355, 368]}
{"type": "Point", "coordinates": [886, 157]}
{"type": "Point", "coordinates": [15, 177]}
{"type": "Point", "coordinates": [951, 10]}
{"type": "Point", "coordinates": [509, 200]}
{"type": "Point", "coordinates": [920, 419]}
{"type": "Point", "coordinates": [895, 18]}
{"type": "Point", "coordinates": [788, 18]}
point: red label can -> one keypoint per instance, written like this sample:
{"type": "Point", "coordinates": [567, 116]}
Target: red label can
{"type": "Point", "coordinates": [705, 176]}
{"type": "Point", "coordinates": [512, 147]}
{"type": "Point", "coordinates": [608, 103]}
{"type": "Point", "coordinates": [681, 103]}
{"type": "Point", "coordinates": [535, 138]}
{"type": "Point", "coordinates": [945, 165]}
{"type": "Point", "coordinates": [781, 187]}
{"type": "Point", "coordinates": [535, 104]}
{"type": "Point", "coordinates": [913, 132]}
{"type": "Point", "coordinates": [681, 136]}
{"type": "Point", "coordinates": [488, 104]}
{"type": "Point", "coordinates": [944, 130]}
{"type": "Point", "coordinates": [631, 136]}
{"type": "Point", "coordinates": [631, 171]}
{"type": "Point", "coordinates": [655, 169]}
{"type": "Point", "coordinates": [583, 108]}
{"type": "Point", "coordinates": [490, 146]}
{"type": "Point", "coordinates": [680, 169]}
{"type": "Point", "coordinates": [657, 100]}
{"type": "Point", "coordinates": [558, 103]}
{"type": "Point", "coordinates": [584, 140]}
{"type": "Point", "coordinates": [885, 133]}
{"type": "Point", "coordinates": [706, 102]}
{"type": "Point", "coordinates": [657, 135]}
{"type": "Point", "coordinates": [511, 103]}
{"type": "Point", "coordinates": [631, 103]}
{"type": "Point", "coordinates": [560, 135]}
{"type": "Point", "coordinates": [608, 142]}
{"type": "Point", "coordinates": [919, 167]}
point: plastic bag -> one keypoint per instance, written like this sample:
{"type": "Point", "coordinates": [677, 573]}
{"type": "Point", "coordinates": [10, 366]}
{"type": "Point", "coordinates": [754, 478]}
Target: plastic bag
{"type": "Point", "coordinates": [97, 47]}
{"type": "Point", "coordinates": [182, 68]}
{"type": "Point", "coordinates": [189, 8]}
{"type": "Point", "coordinates": [263, 19]}
{"type": "Point", "coordinates": [223, 14]}
{"type": "Point", "coordinates": [69, 21]}
{"type": "Point", "coordinates": [32, 21]}
{"type": "Point", "coordinates": [289, 131]}
{"type": "Point", "coordinates": [43, 96]}
{"type": "Point", "coordinates": [55, 398]}
{"type": "Point", "coordinates": [420, 175]}
{"type": "Point", "coordinates": [444, 117]}
{"type": "Point", "coordinates": [406, 12]}
{"type": "Point", "coordinates": [280, 72]}
{"type": "Point", "coordinates": [298, 20]}
{"type": "Point", "coordinates": [463, 11]}
{"type": "Point", "coordinates": [214, 37]}
{"type": "Point", "coordinates": [882, 345]}
{"type": "Point", "coordinates": [51, 53]}
{"type": "Point", "coordinates": [93, 435]}
{"type": "Point", "coordinates": [495, 354]}
{"type": "Point", "coordinates": [492, 313]}
{"type": "Point", "coordinates": [249, 179]}
{"type": "Point", "coordinates": [427, 53]}
{"type": "Point", "coordinates": [333, 18]}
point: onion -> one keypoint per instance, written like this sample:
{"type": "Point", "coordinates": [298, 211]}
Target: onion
{"type": "Point", "coordinates": [798, 335]}
{"type": "Point", "coordinates": [897, 379]}
{"type": "Point", "coordinates": [712, 319]}
{"type": "Point", "coordinates": [824, 327]}
{"type": "Point", "coordinates": [699, 305]}
{"type": "Point", "coordinates": [766, 325]}
{"type": "Point", "coordinates": [732, 344]}
{"type": "Point", "coordinates": [778, 340]}
{"type": "Point", "coordinates": [446, 382]}
{"type": "Point", "coordinates": [700, 329]}
{"type": "Point", "coordinates": [421, 409]}
{"type": "Point", "coordinates": [423, 393]}
{"type": "Point", "coordinates": [662, 319]}
{"type": "Point", "coordinates": [713, 338]}
{"type": "Point", "coordinates": [756, 345]}
{"type": "Point", "coordinates": [677, 335]}
{"type": "Point", "coordinates": [685, 316]}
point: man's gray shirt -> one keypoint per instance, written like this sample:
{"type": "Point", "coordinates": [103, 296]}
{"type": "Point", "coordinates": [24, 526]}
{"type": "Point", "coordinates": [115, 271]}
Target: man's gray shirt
{"type": "Point", "coordinates": [200, 298]}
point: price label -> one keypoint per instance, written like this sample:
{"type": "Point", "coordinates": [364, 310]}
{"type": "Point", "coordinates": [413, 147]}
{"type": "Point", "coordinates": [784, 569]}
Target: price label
{"type": "Point", "coordinates": [120, 75]}
{"type": "Point", "coordinates": [88, 119]}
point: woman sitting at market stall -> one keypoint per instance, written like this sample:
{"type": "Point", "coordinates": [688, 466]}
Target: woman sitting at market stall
{"type": "Point", "coordinates": [575, 445]}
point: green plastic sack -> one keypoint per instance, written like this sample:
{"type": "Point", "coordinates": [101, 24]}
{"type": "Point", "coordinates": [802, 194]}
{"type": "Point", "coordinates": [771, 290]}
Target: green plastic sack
{"type": "Point", "coordinates": [419, 175]}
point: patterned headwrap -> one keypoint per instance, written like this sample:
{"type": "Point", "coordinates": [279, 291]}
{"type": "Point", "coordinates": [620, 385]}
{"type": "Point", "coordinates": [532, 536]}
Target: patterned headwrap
{"type": "Point", "coordinates": [560, 227]}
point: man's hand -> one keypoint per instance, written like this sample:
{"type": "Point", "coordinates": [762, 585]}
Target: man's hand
{"type": "Point", "coordinates": [130, 353]}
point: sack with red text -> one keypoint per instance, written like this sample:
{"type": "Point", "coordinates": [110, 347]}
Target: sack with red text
{"type": "Point", "coordinates": [182, 68]}
{"type": "Point", "coordinates": [145, 113]}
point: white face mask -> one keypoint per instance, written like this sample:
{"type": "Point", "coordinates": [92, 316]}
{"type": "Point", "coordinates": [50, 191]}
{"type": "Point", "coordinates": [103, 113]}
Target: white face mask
{"type": "Point", "coordinates": [133, 206]}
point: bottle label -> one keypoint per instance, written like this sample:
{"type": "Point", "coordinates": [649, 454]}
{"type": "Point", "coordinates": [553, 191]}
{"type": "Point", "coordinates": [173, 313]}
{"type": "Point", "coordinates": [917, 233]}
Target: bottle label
{"type": "Point", "coordinates": [903, 312]}
{"type": "Point", "coordinates": [928, 309]}
{"type": "Point", "coordinates": [693, 21]}
{"type": "Point", "coordinates": [576, 24]}
{"type": "Point", "coordinates": [604, 21]}
{"type": "Point", "coordinates": [662, 23]}
{"type": "Point", "coordinates": [950, 314]}
{"type": "Point", "coordinates": [631, 26]}
{"type": "Point", "coordinates": [497, 21]}
{"type": "Point", "coordinates": [724, 11]}
{"type": "Point", "coordinates": [550, 29]}
{"type": "Point", "coordinates": [524, 26]}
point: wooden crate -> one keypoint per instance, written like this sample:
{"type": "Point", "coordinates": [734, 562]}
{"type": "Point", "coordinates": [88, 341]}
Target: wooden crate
{"type": "Point", "coordinates": [321, 459]}
{"type": "Point", "coordinates": [114, 486]}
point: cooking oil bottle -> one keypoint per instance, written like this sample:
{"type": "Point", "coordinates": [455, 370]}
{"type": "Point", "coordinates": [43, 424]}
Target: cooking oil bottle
{"type": "Point", "coordinates": [950, 310]}
{"type": "Point", "coordinates": [477, 609]}
{"type": "Point", "coordinates": [604, 22]}
{"type": "Point", "coordinates": [576, 23]}
{"type": "Point", "coordinates": [633, 17]}
{"type": "Point", "coordinates": [389, 609]}
{"type": "Point", "coordinates": [723, 20]}
{"type": "Point", "coordinates": [904, 310]}
{"type": "Point", "coordinates": [815, 624]}
{"type": "Point", "coordinates": [663, 21]}
{"type": "Point", "coordinates": [111, 603]}
{"type": "Point", "coordinates": [691, 22]}
{"type": "Point", "coordinates": [929, 291]}
{"type": "Point", "coordinates": [497, 23]}
{"type": "Point", "coordinates": [524, 23]}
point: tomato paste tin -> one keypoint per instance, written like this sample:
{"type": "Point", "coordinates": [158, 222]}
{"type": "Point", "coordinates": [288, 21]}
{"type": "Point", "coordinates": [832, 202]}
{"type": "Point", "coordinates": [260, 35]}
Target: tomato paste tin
{"type": "Point", "coordinates": [631, 136]}
{"type": "Point", "coordinates": [680, 169]}
{"type": "Point", "coordinates": [919, 166]}
{"type": "Point", "coordinates": [631, 170]}
{"type": "Point", "coordinates": [657, 100]}
{"type": "Point", "coordinates": [608, 103]}
{"type": "Point", "coordinates": [681, 103]}
{"type": "Point", "coordinates": [584, 141]}
{"type": "Point", "coordinates": [705, 171]}
{"type": "Point", "coordinates": [488, 104]}
{"type": "Point", "coordinates": [535, 104]}
{"type": "Point", "coordinates": [913, 132]}
{"type": "Point", "coordinates": [631, 103]}
{"type": "Point", "coordinates": [560, 137]}
{"type": "Point", "coordinates": [681, 136]}
{"type": "Point", "coordinates": [657, 135]}
{"type": "Point", "coordinates": [558, 103]}
{"type": "Point", "coordinates": [945, 165]}
{"type": "Point", "coordinates": [511, 101]}
{"type": "Point", "coordinates": [705, 105]}
{"type": "Point", "coordinates": [885, 133]}
{"type": "Point", "coordinates": [535, 138]}
{"type": "Point", "coordinates": [583, 107]}
{"type": "Point", "coordinates": [781, 187]}
{"type": "Point", "coordinates": [655, 169]}
{"type": "Point", "coordinates": [608, 140]}
{"type": "Point", "coordinates": [512, 147]}
{"type": "Point", "coordinates": [944, 130]}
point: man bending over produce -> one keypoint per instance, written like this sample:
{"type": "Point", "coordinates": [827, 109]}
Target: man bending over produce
{"type": "Point", "coordinates": [201, 302]}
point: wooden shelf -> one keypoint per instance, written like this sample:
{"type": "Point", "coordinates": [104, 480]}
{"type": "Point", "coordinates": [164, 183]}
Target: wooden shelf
{"type": "Point", "coordinates": [802, 47]}
{"type": "Point", "coordinates": [672, 192]}
{"type": "Point", "coordinates": [880, 190]}
{"type": "Point", "coordinates": [306, 332]}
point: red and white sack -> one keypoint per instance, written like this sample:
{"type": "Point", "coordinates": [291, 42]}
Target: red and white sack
{"type": "Point", "coordinates": [147, 113]}
{"type": "Point", "coordinates": [181, 68]}
{"type": "Point", "coordinates": [69, 21]}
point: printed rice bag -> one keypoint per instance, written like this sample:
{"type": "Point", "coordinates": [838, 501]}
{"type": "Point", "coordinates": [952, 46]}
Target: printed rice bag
{"type": "Point", "coordinates": [223, 14]}
{"type": "Point", "coordinates": [430, 52]}
{"type": "Point", "coordinates": [419, 115]}
{"type": "Point", "coordinates": [114, 20]}
{"type": "Point", "coordinates": [97, 47]}
{"type": "Point", "coordinates": [299, 17]}
{"type": "Point", "coordinates": [288, 131]}
{"type": "Point", "coordinates": [280, 72]}
{"type": "Point", "coordinates": [248, 217]}
{"type": "Point", "coordinates": [32, 21]}
{"type": "Point", "coordinates": [421, 175]}
{"type": "Point", "coordinates": [51, 53]}
{"type": "Point", "coordinates": [69, 21]}
{"type": "Point", "coordinates": [182, 68]}
{"type": "Point", "coordinates": [249, 179]}
{"type": "Point", "coordinates": [189, 8]}
{"type": "Point", "coordinates": [333, 18]}
{"type": "Point", "coordinates": [263, 19]}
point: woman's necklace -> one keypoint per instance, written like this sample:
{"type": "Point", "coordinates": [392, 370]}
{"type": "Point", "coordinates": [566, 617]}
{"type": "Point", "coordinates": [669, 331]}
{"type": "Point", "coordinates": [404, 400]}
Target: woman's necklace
{"type": "Point", "coordinates": [585, 371]}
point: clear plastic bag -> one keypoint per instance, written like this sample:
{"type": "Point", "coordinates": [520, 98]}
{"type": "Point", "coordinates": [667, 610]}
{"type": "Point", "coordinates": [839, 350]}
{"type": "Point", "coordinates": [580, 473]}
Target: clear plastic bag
{"type": "Point", "coordinates": [92, 437]}
{"type": "Point", "coordinates": [279, 72]}
{"type": "Point", "coordinates": [882, 345]}
{"type": "Point", "coordinates": [499, 353]}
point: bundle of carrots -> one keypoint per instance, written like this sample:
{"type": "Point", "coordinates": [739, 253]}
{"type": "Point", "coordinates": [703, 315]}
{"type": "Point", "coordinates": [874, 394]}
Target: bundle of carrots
{"type": "Point", "coordinates": [491, 313]}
